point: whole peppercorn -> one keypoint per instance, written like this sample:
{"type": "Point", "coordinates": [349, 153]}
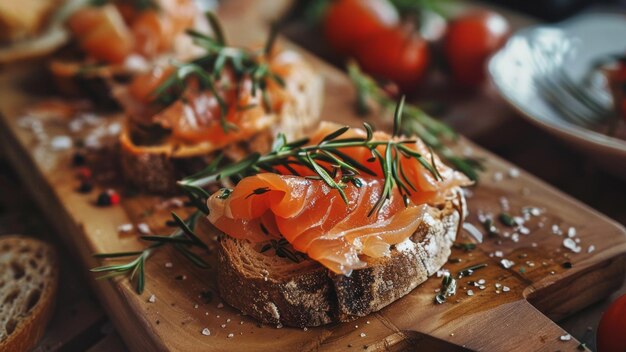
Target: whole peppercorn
{"type": "Point", "coordinates": [78, 159]}
{"type": "Point", "coordinates": [108, 197]}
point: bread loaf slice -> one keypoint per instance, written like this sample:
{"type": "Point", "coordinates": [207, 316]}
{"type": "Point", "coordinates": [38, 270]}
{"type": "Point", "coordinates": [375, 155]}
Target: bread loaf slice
{"type": "Point", "coordinates": [28, 284]}
{"type": "Point", "coordinates": [276, 290]}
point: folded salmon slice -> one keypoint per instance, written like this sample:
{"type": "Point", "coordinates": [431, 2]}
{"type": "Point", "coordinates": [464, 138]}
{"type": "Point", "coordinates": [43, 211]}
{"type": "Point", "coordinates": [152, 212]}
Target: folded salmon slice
{"type": "Point", "coordinates": [315, 219]}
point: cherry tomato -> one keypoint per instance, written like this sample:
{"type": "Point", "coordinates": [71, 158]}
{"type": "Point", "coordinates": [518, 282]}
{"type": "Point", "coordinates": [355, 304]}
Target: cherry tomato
{"type": "Point", "coordinates": [470, 41]}
{"type": "Point", "coordinates": [348, 22]}
{"type": "Point", "coordinates": [397, 55]}
{"type": "Point", "coordinates": [611, 331]}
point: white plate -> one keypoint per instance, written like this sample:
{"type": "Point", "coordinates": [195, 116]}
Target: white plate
{"type": "Point", "coordinates": [512, 70]}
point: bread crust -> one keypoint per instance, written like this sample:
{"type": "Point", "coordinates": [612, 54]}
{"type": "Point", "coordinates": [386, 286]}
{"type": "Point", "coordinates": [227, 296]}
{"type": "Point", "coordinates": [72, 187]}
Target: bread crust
{"type": "Point", "coordinates": [156, 169]}
{"type": "Point", "coordinates": [31, 327]}
{"type": "Point", "coordinates": [277, 291]}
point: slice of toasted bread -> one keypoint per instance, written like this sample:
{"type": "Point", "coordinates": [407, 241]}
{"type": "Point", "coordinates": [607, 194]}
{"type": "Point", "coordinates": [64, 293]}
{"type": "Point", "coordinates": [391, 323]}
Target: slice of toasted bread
{"type": "Point", "coordinates": [278, 291]}
{"type": "Point", "coordinates": [28, 284]}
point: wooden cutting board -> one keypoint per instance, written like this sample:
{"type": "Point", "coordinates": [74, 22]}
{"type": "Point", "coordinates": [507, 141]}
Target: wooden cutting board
{"type": "Point", "coordinates": [547, 282]}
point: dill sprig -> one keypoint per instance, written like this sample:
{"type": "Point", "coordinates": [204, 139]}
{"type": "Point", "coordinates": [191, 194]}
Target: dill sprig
{"type": "Point", "coordinates": [208, 70]}
{"type": "Point", "coordinates": [415, 121]}
{"type": "Point", "coordinates": [327, 161]}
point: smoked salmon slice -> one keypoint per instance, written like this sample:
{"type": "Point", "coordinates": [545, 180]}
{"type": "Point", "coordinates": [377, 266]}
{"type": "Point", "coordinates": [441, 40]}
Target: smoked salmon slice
{"type": "Point", "coordinates": [316, 220]}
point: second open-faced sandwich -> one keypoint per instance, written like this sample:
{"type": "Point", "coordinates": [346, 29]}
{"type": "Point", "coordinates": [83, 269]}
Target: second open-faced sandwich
{"type": "Point", "coordinates": [335, 226]}
{"type": "Point", "coordinates": [230, 101]}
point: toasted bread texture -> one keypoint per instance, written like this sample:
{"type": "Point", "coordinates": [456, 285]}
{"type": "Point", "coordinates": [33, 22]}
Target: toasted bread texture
{"type": "Point", "coordinates": [28, 284]}
{"type": "Point", "coordinates": [276, 290]}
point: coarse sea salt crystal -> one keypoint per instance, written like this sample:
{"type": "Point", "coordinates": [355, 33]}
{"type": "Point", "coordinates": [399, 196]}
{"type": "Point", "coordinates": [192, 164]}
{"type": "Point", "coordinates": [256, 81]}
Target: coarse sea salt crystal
{"type": "Point", "coordinates": [231, 335]}
{"type": "Point", "coordinates": [505, 289]}
{"type": "Point", "coordinates": [513, 173]}
{"type": "Point", "coordinates": [497, 176]}
{"type": "Point", "coordinates": [362, 334]}
{"type": "Point", "coordinates": [152, 299]}
{"type": "Point", "coordinates": [571, 245]}
{"type": "Point", "coordinates": [206, 332]}
{"type": "Point", "coordinates": [498, 254]}
{"type": "Point", "coordinates": [507, 264]}
{"type": "Point", "coordinates": [125, 228]}
{"type": "Point", "coordinates": [591, 248]}
{"type": "Point", "coordinates": [61, 143]}
{"type": "Point", "coordinates": [143, 228]}
{"type": "Point", "coordinates": [566, 337]}
{"type": "Point", "coordinates": [571, 232]}
{"type": "Point", "coordinates": [470, 292]}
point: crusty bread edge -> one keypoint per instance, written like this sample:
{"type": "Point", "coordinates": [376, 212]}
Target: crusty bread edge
{"type": "Point", "coordinates": [318, 297]}
{"type": "Point", "coordinates": [32, 328]}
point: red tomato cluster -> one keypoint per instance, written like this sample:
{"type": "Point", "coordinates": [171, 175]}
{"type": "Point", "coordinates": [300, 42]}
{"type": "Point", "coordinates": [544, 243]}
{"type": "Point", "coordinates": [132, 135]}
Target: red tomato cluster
{"type": "Point", "coordinates": [373, 33]}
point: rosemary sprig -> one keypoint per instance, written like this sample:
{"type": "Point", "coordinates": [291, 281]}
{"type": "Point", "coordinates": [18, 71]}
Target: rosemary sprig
{"type": "Point", "coordinates": [326, 161]}
{"type": "Point", "coordinates": [181, 239]}
{"type": "Point", "coordinates": [414, 121]}
{"type": "Point", "coordinates": [208, 71]}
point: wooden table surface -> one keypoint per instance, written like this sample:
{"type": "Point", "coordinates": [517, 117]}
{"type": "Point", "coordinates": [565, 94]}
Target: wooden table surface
{"type": "Point", "coordinates": [80, 324]}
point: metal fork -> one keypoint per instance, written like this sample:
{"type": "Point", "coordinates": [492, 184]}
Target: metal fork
{"type": "Point", "coordinates": [577, 104]}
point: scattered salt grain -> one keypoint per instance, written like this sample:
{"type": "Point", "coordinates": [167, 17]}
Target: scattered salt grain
{"type": "Point", "coordinates": [279, 326]}
{"type": "Point", "coordinates": [223, 326]}
{"type": "Point", "coordinates": [498, 254]}
{"type": "Point", "coordinates": [482, 287]}
{"type": "Point", "coordinates": [470, 292]}
{"type": "Point", "coordinates": [566, 337]}
{"type": "Point", "coordinates": [195, 306]}
{"type": "Point", "coordinates": [143, 228]}
{"type": "Point", "coordinates": [481, 281]}
{"type": "Point", "coordinates": [61, 143]}
{"type": "Point", "coordinates": [241, 323]}
{"type": "Point", "coordinates": [505, 289]}
{"type": "Point", "coordinates": [507, 264]}
{"type": "Point", "coordinates": [556, 230]}
{"type": "Point", "coordinates": [206, 332]}
{"type": "Point", "coordinates": [169, 265]}
{"type": "Point", "coordinates": [363, 334]}
{"type": "Point", "coordinates": [498, 285]}
{"type": "Point", "coordinates": [534, 244]}
{"type": "Point", "coordinates": [571, 245]}
{"type": "Point", "coordinates": [571, 232]}
{"type": "Point", "coordinates": [524, 230]}
{"type": "Point", "coordinates": [305, 329]}
{"type": "Point", "coordinates": [152, 299]}
{"type": "Point", "coordinates": [228, 320]}
{"type": "Point", "coordinates": [515, 237]}
{"type": "Point", "coordinates": [513, 173]}
{"type": "Point", "coordinates": [367, 322]}
{"type": "Point", "coordinates": [591, 248]}
{"type": "Point", "coordinates": [231, 335]}
{"type": "Point", "coordinates": [497, 176]}
{"type": "Point", "coordinates": [125, 228]}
